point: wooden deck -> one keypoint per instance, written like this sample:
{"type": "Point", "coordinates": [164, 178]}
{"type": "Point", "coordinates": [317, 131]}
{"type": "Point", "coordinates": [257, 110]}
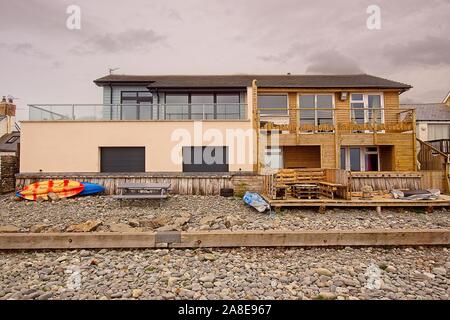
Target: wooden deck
{"type": "Point", "coordinates": [356, 201]}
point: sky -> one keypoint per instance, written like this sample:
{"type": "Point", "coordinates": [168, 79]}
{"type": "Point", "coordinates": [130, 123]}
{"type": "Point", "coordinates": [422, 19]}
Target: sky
{"type": "Point", "coordinates": [43, 61]}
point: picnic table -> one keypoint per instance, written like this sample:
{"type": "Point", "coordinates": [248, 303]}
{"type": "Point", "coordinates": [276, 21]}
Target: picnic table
{"type": "Point", "coordinates": [151, 190]}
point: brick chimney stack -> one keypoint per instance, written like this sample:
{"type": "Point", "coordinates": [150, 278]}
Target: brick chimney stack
{"type": "Point", "coordinates": [8, 109]}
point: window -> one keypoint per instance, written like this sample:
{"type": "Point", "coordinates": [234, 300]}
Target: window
{"type": "Point", "coordinates": [205, 159]}
{"type": "Point", "coordinates": [316, 110]}
{"type": "Point", "coordinates": [202, 106]}
{"type": "Point", "coordinates": [366, 108]}
{"type": "Point", "coordinates": [136, 105]}
{"type": "Point", "coordinates": [12, 139]}
{"type": "Point", "coordinates": [273, 105]}
{"type": "Point", "coordinates": [198, 106]}
{"type": "Point", "coordinates": [228, 106]}
{"type": "Point", "coordinates": [438, 131]}
{"type": "Point", "coordinates": [177, 106]}
{"type": "Point", "coordinates": [122, 159]}
{"type": "Point", "coordinates": [360, 158]}
{"type": "Point", "coordinates": [273, 158]}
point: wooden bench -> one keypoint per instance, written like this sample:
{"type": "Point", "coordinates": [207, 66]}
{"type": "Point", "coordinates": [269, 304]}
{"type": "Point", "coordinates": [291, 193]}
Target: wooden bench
{"type": "Point", "coordinates": [131, 191]}
{"type": "Point", "coordinates": [329, 189]}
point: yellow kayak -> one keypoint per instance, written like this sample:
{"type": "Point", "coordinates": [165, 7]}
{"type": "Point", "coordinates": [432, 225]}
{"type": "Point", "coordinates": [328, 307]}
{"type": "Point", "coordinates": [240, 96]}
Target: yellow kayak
{"type": "Point", "coordinates": [62, 188]}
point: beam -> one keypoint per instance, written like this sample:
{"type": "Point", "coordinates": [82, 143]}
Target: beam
{"type": "Point", "coordinates": [217, 238]}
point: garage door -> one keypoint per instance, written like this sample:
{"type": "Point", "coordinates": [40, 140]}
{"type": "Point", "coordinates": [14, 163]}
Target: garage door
{"type": "Point", "coordinates": [122, 159]}
{"type": "Point", "coordinates": [205, 159]}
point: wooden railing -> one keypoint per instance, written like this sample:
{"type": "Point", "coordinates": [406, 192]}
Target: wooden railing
{"type": "Point", "coordinates": [442, 145]}
{"type": "Point", "coordinates": [431, 158]}
{"type": "Point", "coordinates": [327, 120]}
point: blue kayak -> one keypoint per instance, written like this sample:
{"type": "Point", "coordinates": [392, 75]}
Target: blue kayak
{"type": "Point", "coordinates": [91, 188]}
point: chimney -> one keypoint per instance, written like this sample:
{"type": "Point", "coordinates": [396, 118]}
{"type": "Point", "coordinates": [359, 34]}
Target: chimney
{"type": "Point", "coordinates": [8, 109]}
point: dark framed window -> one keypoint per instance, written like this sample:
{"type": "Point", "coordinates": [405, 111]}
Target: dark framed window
{"type": "Point", "coordinates": [12, 140]}
{"type": "Point", "coordinates": [205, 159]}
{"type": "Point", "coordinates": [136, 105]}
{"type": "Point", "coordinates": [122, 159]}
{"type": "Point", "coordinates": [273, 104]}
{"type": "Point", "coordinates": [202, 105]}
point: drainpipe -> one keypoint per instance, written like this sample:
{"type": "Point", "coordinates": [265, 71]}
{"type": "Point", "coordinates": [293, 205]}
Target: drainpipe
{"type": "Point", "coordinates": [110, 101]}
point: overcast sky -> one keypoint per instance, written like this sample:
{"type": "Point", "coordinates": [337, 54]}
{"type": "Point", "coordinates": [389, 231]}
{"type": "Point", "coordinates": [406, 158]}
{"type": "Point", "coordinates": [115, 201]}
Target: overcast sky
{"type": "Point", "coordinates": [42, 61]}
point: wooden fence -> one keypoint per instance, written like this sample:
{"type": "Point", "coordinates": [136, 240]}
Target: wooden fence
{"type": "Point", "coordinates": [186, 184]}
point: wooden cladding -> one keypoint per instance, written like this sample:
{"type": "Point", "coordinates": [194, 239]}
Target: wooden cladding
{"type": "Point", "coordinates": [301, 157]}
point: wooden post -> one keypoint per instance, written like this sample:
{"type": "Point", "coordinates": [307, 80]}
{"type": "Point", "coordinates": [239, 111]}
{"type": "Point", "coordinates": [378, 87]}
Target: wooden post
{"type": "Point", "coordinates": [414, 139]}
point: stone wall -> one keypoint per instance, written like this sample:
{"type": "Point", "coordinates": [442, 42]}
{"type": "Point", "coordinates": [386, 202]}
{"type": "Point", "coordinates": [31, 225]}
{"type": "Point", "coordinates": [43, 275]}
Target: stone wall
{"type": "Point", "coordinates": [8, 168]}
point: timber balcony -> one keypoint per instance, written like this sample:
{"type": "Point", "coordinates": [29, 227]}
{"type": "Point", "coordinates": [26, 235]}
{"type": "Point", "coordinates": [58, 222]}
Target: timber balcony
{"type": "Point", "coordinates": [131, 112]}
{"type": "Point", "coordinates": [327, 120]}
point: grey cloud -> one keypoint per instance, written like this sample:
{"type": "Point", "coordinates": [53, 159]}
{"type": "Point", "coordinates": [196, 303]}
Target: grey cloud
{"type": "Point", "coordinates": [128, 40]}
{"type": "Point", "coordinates": [428, 51]}
{"type": "Point", "coordinates": [25, 49]}
{"type": "Point", "coordinates": [293, 51]}
{"type": "Point", "coordinates": [332, 62]}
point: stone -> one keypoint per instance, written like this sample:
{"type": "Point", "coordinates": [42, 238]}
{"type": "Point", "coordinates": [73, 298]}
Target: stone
{"type": "Point", "coordinates": [390, 269]}
{"type": "Point", "coordinates": [38, 228]}
{"type": "Point", "coordinates": [169, 227]}
{"type": "Point", "coordinates": [208, 257]}
{"type": "Point", "coordinates": [121, 227]}
{"type": "Point", "coordinates": [231, 221]}
{"type": "Point", "coordinates": [154, 223]}
{"type": "Point", "coordinates": [9, 229]}
{"type": "Point", "coordinates": [439, 271]}
{"type": "Point", "coordinates": [53, 196]}
{"type": "Point", "coordinates": [87, 226]}
{"type": "Point", "coordinates": [136, 293]}
{"type": "Point", "coordinates": [324, 272]}
{"type": "Point", "coordinates": [208, 220]}
{"type": "Point", "coordinates": [325, 295]}
{"type": "Point", "coordinates": [133, 223]}
{"type": "Point", "coordinates": [180, 221]}
{"type": "Point", "coordinates": [208, 278]}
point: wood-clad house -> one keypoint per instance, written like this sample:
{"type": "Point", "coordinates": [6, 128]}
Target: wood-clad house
{"type": "Point", "coordinates": [347, 122]}
{"type": "Point", "coordinates": [352, 122]}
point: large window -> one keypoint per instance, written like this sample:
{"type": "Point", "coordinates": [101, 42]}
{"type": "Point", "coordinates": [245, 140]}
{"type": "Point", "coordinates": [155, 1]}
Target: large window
{"type": "Point", "coordinates": [273, 105]}
{"type": "Point", "coordinates": [198, 106]}
{"type": "Point", "coordinates": [366, 108]}
{"type": "Point", "coordinates": [438, 131]}
{"type": "Point", "coordinates": [136, 105]}
{"type": "Point", "coordinates": [177, 106]}
{"type": "Point", "coordinates": [228, 106]}
{"type": "Point", "coordinates": [316, 110]}
{"type": "Point", "coordinates": [360, 158]}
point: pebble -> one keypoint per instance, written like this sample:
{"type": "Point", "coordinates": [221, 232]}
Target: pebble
{"type": "Point", "coordinates": [243, 273]}
{"type": "Point", "coordinates": [99, 213]}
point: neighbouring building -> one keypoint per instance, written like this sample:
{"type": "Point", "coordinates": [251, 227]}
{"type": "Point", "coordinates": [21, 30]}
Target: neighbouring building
{"type": "Point", "coordinates": [225, 123]}
{"type": "Point", "coordinates": [9, 141]}
{"type": "Point", "coordinates": [433, 123]}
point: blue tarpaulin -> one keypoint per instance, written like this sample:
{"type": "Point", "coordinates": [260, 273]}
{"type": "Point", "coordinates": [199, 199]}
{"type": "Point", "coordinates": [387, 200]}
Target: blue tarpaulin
{"type": "Point", "coordinates": [256, 201]}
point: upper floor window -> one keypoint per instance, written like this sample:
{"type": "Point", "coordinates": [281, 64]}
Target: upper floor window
{"type": "Point", "coordinates": [316, 110]}
{"type": "Point", "coordinates": [200, 106]}
{"type": "Point", "coordinates": [366, 108]}
{"type": "Point", "coordinates": [136, 105]}
{"type": "Point", "coordinates": [273, 104]}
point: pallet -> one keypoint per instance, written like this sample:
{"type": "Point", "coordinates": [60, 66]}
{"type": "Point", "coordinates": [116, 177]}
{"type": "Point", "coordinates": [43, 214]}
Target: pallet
{"type": "Point", "coordinates": [305, 191]}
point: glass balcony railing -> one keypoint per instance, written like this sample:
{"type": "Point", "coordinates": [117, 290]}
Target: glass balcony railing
{"type": "Point", "coordinates": [170, 112]}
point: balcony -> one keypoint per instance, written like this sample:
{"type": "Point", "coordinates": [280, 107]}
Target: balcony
{"type": "Point", "coordinates": [131, 112]}
{"type": "Point", "coordinates": [327, 120]}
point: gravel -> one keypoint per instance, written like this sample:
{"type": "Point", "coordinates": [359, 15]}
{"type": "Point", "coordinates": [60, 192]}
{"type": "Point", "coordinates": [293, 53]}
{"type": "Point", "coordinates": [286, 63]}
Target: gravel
{"type": "Point", "coordinates": [201, 213]}
{"type": "Point", "coordinates": [246, 273]}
